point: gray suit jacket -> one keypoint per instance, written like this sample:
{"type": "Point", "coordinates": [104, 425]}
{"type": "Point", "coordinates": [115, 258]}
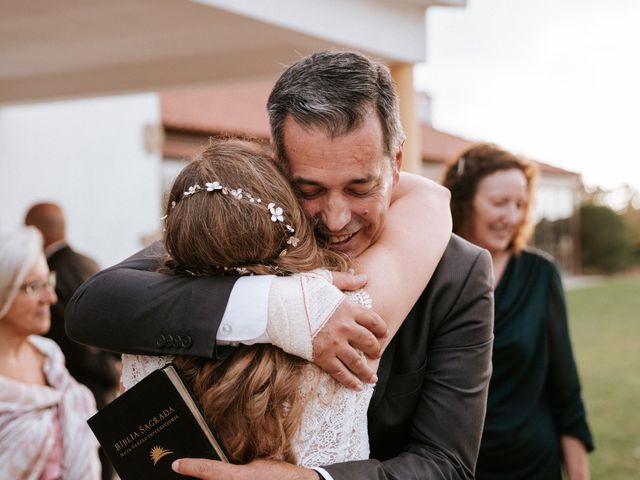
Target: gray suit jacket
{"type": "Point", "coordinates": [426, 416]}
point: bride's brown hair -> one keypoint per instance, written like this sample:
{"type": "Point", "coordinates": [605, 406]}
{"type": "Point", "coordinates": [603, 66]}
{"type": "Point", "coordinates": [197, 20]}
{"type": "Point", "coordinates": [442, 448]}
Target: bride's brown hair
{"type": "Point", "coordinates": [252, 398]}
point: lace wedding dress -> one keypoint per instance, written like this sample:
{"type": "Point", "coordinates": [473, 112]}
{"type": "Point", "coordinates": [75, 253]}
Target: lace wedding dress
{"type": "Point", "coordinates": [334, 423]}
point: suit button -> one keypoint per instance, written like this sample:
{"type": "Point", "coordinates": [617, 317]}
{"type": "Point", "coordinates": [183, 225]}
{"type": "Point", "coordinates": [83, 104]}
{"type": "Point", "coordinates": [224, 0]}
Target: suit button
{"type": "Point", "coordinates": [177, 341]}
{"type": "Point", "coordinates": [168, 340]}
{"type": "Point", "coordinates": [186, 342]}
{"type": "Point", "coordinates": [161, 340]}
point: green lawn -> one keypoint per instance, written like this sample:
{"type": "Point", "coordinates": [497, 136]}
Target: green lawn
{"type": "Point", "coordinates": [605, 328]}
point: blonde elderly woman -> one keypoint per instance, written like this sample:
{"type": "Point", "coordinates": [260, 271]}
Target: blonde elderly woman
{"type": "Point", "coordinates": [43, 410]}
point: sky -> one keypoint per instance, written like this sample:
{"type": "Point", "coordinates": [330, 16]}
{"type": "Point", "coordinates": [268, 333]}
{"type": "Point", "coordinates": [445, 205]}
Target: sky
{"type": "Point", "coordinates": [554, 80]}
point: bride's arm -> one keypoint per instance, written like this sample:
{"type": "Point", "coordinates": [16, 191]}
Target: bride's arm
{"type": "Point", "coordinates": [401, 262]}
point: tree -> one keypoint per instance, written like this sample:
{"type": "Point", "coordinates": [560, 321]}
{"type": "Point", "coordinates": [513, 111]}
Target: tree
{"type": "Point", "coordinates": [631, 217]}
{"type": "Point", "coordinates": [605, 239]}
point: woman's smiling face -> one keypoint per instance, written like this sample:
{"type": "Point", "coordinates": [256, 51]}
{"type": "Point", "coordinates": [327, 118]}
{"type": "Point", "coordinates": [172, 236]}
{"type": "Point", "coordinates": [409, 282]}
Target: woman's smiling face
{"type": "Point", "coordinates": [498, 208]}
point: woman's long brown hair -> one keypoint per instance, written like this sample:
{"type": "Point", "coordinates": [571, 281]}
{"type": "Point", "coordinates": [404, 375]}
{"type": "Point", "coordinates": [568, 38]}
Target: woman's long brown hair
{"type": "Point", "coordinates": [252, 398]}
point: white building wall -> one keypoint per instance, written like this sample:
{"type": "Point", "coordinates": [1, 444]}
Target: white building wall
{"type": "Point", "coordinates": [556, 197]}
{"type": "Point", "coordinates": [89, 156]}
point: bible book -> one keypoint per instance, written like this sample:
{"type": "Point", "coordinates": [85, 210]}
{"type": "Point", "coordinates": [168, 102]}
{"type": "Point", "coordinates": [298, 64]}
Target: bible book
{"type": "Point", "coordinates": [152, 424]}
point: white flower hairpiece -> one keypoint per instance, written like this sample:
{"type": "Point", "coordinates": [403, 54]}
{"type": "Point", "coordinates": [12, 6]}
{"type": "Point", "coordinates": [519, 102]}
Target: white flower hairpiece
{"type": "Point", "coordinates": [276, 213]}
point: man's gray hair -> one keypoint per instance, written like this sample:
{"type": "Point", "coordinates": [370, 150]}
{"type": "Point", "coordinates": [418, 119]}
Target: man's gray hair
{"type": "Point", "coordinates": [335, 91]}
{"type": "Point", "coordinates": [18, 253]}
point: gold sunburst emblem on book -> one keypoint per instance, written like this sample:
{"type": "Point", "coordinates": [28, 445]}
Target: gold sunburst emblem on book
{"type": "Point", "coordinates": [157, 453]}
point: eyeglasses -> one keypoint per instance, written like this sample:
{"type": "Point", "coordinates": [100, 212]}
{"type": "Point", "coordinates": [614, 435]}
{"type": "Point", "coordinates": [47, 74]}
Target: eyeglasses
{"type": "Point", "coordinates": [35, 288]}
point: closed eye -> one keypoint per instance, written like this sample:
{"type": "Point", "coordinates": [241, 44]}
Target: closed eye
{"type": "Point", "coordinates": [361, 193]}
{"type": "Point", "coordinates": [308, 193]}
{"type": "Point", "coordinates": [363, 189]}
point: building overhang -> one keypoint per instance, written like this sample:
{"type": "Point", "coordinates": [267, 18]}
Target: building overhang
{"type": "Point", "coordinates": [63, 49]}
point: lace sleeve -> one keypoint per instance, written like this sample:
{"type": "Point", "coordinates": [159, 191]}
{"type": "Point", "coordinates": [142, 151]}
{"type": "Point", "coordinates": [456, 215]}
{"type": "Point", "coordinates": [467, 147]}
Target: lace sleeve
{"type": "Point", "coordinates": [136, 367]}
{"type": "Point", "coordinates": [299, 306]}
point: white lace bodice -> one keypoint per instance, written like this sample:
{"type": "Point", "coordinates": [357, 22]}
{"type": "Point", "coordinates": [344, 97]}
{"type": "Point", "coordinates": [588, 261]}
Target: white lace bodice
{"type": "Point", "coordinates": [136, 367]}
{"type": "Point", "coordinates": [334, 423]}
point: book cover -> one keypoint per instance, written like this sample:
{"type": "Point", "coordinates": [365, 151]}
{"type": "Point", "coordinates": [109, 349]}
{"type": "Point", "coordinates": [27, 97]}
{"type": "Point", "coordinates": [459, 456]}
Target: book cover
{"type": "Point", "coordinates": [152, 424]}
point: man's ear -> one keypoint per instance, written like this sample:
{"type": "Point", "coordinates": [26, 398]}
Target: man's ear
{"type": "Point", "coordinates": [398, 157]}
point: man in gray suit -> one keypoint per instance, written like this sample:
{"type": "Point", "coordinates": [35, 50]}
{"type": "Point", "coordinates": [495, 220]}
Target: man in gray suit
{"type": "Point", "coordinates": [335, 125]}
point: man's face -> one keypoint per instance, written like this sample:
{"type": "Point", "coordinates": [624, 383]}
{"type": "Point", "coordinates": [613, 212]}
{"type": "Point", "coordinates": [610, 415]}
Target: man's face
{"type": "Point", "coordinates": [344, 183]}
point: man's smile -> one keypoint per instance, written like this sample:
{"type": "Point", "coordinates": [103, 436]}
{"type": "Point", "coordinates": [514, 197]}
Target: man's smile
{"type": "Point", "coordinates": [336, 239]}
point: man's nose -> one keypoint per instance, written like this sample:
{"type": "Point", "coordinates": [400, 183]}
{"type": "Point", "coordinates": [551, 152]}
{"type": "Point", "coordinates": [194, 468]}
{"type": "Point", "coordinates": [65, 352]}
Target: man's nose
{"type": "Point", "coordinates": [336, 213]}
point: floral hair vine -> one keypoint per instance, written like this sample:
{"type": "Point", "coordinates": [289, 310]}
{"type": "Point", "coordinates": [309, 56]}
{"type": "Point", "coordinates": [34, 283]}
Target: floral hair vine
{"type": "Point", "coordinates": [276, 213]}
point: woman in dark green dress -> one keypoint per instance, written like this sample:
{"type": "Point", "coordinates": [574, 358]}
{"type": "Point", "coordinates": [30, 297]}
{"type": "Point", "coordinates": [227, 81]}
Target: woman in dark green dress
{"type": "Point", "coordinates": [536, 420]}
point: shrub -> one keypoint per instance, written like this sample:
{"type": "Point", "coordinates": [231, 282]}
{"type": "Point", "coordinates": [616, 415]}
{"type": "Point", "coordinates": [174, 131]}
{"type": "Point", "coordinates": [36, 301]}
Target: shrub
{"type": "Point", "coordinates": [605, 239]}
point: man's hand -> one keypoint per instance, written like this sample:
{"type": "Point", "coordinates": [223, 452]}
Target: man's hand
{"type": "Point", "coordinates": [262, 469]}
{"type": "Point", "coordinates": [351, 328]}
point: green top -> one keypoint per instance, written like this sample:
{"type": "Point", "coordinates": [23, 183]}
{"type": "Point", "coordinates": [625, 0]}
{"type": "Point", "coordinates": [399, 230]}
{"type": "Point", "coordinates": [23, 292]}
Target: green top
{"type": "Point", "coordinates": [534, 393]}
